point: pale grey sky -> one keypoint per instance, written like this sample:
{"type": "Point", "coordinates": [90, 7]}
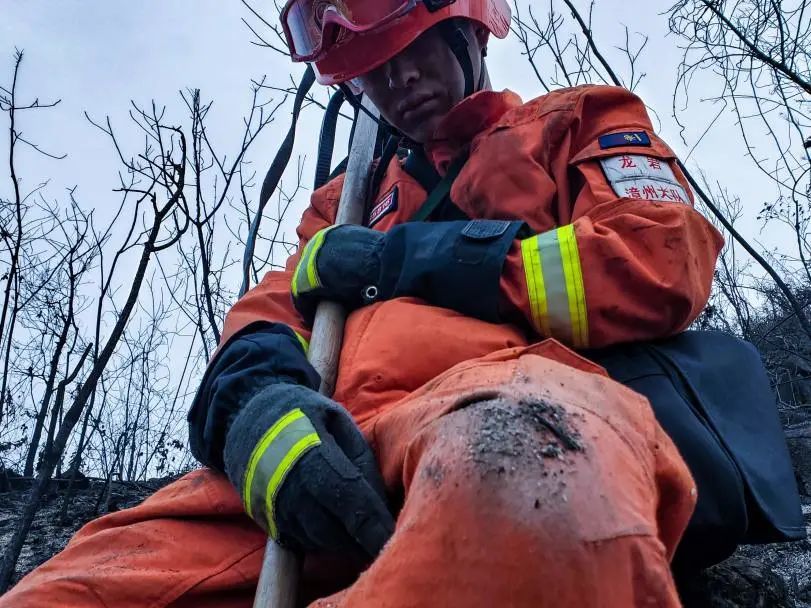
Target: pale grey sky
{"type": "Point", "coordinates": [98, 55]}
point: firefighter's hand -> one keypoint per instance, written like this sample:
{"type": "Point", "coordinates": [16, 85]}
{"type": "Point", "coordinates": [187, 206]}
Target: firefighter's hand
{"type": "Point", "coordinates": [340, 263]}
{"type": "Point", "coordinates": [454, 265]}
{"type": "Point", "coordinates": [306, 474]}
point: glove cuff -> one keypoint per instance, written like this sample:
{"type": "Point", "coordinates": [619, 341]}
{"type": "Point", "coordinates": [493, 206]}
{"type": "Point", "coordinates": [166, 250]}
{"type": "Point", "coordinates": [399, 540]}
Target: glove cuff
{"type": "Point", "coordinates": [455, 265]}
{"type": "Point", "coordinates": [254, 358]}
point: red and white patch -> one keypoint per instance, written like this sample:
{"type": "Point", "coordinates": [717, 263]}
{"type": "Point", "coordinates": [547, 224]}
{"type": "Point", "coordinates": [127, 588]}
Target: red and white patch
{"type": "Point", "coordinates": [386, 205]}
{"type": "Point", "coordinates": [644, 177]}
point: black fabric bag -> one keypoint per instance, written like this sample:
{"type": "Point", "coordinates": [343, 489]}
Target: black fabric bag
{"type": "Point", "coordinates": [710, 393]}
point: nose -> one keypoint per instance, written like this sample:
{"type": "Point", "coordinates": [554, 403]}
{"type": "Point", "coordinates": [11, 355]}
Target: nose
{"type": "Point", "coordinates": [402, 72]}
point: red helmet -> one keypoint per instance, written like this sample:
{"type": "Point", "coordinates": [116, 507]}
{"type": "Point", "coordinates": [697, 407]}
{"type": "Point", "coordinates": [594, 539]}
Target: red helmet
{"type": "Point", "coordinates": [347, 38]}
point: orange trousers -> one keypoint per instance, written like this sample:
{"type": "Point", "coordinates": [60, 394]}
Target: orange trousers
{"type": "Point", "coordinates": [526, 479]}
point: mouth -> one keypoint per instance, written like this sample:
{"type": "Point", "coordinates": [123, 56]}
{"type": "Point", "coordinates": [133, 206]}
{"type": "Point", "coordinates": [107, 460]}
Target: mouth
{"type": "Point", "coordinates": [418, 105]}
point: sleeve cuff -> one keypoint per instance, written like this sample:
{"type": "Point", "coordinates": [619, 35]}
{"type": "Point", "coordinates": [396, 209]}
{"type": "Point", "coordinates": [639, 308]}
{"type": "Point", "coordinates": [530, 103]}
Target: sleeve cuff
{"type": "Point", "coordinates": [261, 355]}
{"type": "Point", "coordinates": [455, 265]}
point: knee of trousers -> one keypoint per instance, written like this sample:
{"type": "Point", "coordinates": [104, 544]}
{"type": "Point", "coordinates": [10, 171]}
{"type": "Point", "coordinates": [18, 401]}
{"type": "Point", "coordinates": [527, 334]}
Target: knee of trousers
{"type": "Point", "coordinates": [532, 475]}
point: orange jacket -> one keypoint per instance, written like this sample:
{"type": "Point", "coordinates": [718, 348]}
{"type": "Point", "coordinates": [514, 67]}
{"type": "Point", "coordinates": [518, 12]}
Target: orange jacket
{"type": "Point", "coordinates": [620, 254]}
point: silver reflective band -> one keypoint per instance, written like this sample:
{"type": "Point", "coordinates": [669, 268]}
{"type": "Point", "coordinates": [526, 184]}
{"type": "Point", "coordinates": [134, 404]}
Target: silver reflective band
{"type": "Point", "coordinates": [555, 286]}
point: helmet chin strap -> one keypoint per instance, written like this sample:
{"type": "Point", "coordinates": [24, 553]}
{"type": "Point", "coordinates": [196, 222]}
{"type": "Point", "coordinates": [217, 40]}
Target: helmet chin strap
{"type": "Point", "coordinates": [456, 39]}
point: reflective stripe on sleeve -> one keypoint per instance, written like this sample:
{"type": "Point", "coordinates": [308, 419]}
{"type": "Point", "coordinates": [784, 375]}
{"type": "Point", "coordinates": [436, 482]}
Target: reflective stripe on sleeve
{"type": "Point", "coordinates": [535, 285]}
{"type": "Point", "coordinates": [278, 450]}
{"type": "Point", "coordinates": [555, 285]}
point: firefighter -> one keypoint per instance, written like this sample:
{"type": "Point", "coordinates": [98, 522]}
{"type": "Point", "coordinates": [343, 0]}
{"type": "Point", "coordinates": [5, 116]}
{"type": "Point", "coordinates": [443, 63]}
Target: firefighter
{"type": "Point", "coordinates": [473, 453]}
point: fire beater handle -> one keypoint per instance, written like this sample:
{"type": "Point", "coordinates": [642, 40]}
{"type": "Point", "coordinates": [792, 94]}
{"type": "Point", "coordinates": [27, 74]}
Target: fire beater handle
{"type": "Point", "coordinates": [278, 580]}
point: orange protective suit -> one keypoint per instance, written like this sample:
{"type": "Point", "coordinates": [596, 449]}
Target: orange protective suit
{"type": "Point", "coordinates": [645, 267]}
{"type": "Point", "coordinates": [524, 475]}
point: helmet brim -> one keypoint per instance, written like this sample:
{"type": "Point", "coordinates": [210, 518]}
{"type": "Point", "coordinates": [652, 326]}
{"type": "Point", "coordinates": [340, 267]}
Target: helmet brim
{"type": "Point", "coordinates": [362, 53]}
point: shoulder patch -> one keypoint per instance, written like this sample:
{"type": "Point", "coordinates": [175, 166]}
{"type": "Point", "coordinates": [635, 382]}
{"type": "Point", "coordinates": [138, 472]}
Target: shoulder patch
{"type": "Point", "coordinates": [386, 205]}
{"type": "Point", "coordinates": [626, 138]}
{"type": "Point", "coordinates": [644, 177]}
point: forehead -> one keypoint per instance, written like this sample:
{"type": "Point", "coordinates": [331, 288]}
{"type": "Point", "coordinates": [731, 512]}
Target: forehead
{"type": "Point", "coordinates": [429, 49]}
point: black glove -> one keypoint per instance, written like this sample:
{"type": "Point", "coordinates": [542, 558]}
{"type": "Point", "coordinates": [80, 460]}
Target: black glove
{"type": "Point", "coordinates": [455, 265]}
{"type": "Point", "coordinates": [340, 263]}
{"type": "Point", "coordinates": [306, 474]}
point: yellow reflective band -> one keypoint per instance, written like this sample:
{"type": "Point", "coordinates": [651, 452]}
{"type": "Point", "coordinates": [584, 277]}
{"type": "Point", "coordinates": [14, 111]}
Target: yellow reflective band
{"type": "Point", "coordinates": [312, 271]}
{"type": "Point", "coordinates": [271, 434]}
{"type": "Point", "coordinates": [554, 277]}
{"type": "Point", "coordinates": [306, 266]}
{"type": "Point", "coordinates": [297, 272]}
{"type": "Point", "coordinates": [279, 475]}
{"type": "Point", "coordinates": [304, 344]}
{"type": "Point", "coordinates": [575, 290]}
{"type": "Point", "coordinates": [300, 268]}
{"type": "Point", "coordinates": [535, 285]}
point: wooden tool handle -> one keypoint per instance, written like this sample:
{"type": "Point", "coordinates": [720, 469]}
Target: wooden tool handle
{"type": "Point", "coordinates": [278, 580]}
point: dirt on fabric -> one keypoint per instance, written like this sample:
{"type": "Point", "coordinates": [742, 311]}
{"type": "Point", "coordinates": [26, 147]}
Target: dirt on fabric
{"type": "Point", "coordinates": [511, 434]}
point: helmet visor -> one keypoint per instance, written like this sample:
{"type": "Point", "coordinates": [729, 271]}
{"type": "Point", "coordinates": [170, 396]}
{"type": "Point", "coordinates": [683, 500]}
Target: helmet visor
{"type": "Point", "coordinates": [311, 26]}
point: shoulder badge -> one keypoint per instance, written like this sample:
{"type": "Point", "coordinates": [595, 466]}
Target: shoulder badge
{"type": "Point", "coordinates": [626, 138]}
{"type": "Point", "coordinates": [382, 208]}
{"type": "Point", "coordinates": [644, 177]}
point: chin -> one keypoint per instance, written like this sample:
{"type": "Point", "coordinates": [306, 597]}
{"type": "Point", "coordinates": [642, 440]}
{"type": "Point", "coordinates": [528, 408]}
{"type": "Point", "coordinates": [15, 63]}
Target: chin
{"type": "Point", "coordinates": [424, 131]}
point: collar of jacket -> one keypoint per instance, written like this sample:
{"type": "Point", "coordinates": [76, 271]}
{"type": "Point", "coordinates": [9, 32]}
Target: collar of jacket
{"type": "Point", "coordinates": [465, 121]}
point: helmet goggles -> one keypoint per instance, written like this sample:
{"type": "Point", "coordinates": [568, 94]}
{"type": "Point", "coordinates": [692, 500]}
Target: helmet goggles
{"type": "Point", "coordinates": [313, 26]}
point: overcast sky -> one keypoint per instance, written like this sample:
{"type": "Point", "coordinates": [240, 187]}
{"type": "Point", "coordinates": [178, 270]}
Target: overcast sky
{"type": "Point", "coordinates": [98, 55]}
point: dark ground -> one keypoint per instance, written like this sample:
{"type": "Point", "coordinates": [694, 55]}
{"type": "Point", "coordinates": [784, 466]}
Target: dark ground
{"type": "Point", "coordinates": [772, 576]}
{"type": "Point", "coordinates": [48, 535]}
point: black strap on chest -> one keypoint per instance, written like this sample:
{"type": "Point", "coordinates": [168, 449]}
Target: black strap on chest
{"type": "Point", "coordinates": [326, 142]}
{"type": "Point", "coordinates": [420, 168]}
{"type": "Point", "coordinates": [438, 205]}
